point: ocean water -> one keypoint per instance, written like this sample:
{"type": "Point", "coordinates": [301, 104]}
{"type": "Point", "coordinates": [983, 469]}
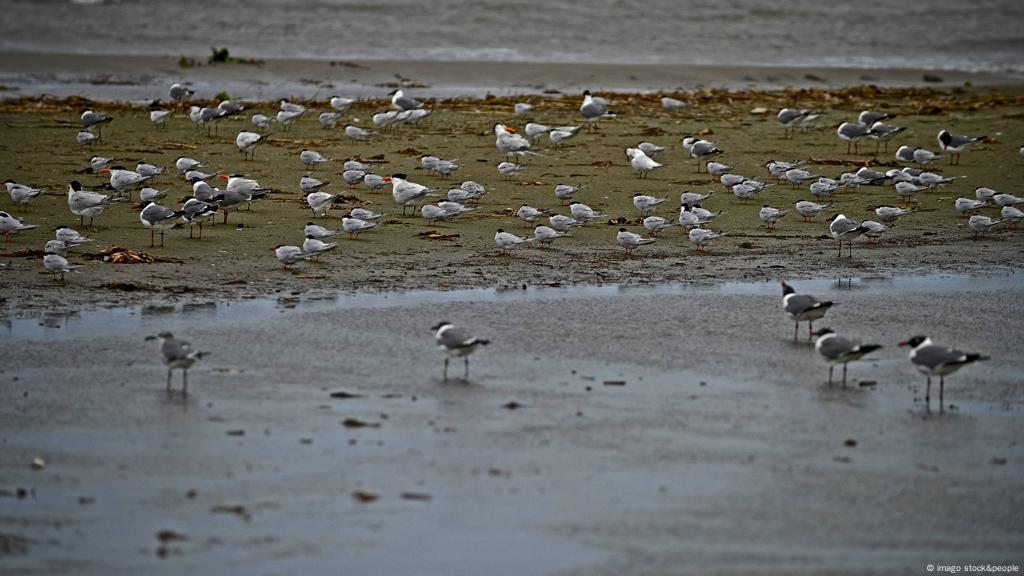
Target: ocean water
{"type": "Point", "coordinates": [983, 35]}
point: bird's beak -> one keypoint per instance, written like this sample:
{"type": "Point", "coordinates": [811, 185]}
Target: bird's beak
{"type": "Point", "coordinates": [903, 344]}
{"type": "Point", "coordinates": [387, 179]}
{"type": "Point", "coordinates": [512, 130]}
{"type": "Point", "coordinates": [223, 177]}
{"type": "Point", "coordinates": [150, 337]}
{"type": "Point", "coordinates": [104, 170]}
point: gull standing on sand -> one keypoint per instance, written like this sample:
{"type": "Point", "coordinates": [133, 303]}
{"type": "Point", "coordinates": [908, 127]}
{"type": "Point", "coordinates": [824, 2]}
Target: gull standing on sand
{"type": "Point", "coordinates": [1006, 200]}
{"type": "Point", "coordinates": [967, 206]}
{"type": "Point", "coordinates": [432, 214]}
{"type": "Point", "coordinates": [562, 223]}
{"type": "Point", "coordinates": [354, 225]}
{"type": "Point", "coordinates": [185, 164]}
{"type": "Point", "coordinates": [506, 241]}
{"type": "Point", "coordinates": [565, 192]}
{"type": "Point", "coordinates": [510, 169]}
{"type": "Point", "coordinates": [691, 198]}
{"type": "Point", "coordinates": [373, 181]}
{"type": "Point", "coordinates": [905, 154]}
{"type": "Point", "coordinates": [852, 133]}
{"type": "Point", "coordinates": [954, 144]}
{"type": "Point", "coordinates": [122, 179]}
{"type": "Point", "coordinates": [529, 214]}
{"type": "Point", "coordinates": [535, 131]}
{"type": "Point", "coordinates": [85, 204]}
{"type": "Point", "coordinates": [357, 133]}
{"type": "Point", "coordinates": [703, 149]}
{"type": "Point", "coordinates": [408, 193]}
{"type": "Point", "coordinates": [311, 158]}
{"type": "Point", "coordinates": [545, 235]}
{"type": "Point", "coordinates": [401, 102]}
{"type": "Point", "coordinates": [641, 162]}
{"type": "Point", "coordinates": [328, 119]}
{"type": "Point", "coordinates": [583, 213]}
{"type": "Point", "coordinates": [701, 237]}
{"type": "Point", "coordinates": [320, 202]}
{"type": "Point", "coordinates": [873, 230]}
{"type": "Point", "coordinates": [159, 117]}
{"type": "Point", "coordinates": [716, 169]}
{"type": "Point", "coordinates": [906, 190]}
{"type": "Point", "coordinates": [593, 109]}
{"type": "Point", "coordinates": [1011, 215]}
{"type": "Point", "coordinates": [845, 229]}
{"type": "Point", "coordinates": [21, 194]}
{"type": "Point", "coordinates": [289, 255]}
{"type": "Point", "coordinates": [148, 194]}
{"type": "Point", "coordinates": [810, 210]}
{"type": "Point", "coordinates": [149, 170]}
{"type": "Point", "coordinates": [57, 264]}
{"type": "Point", "coordinates": [340, 103]}
{"type": "Point", "coordinates": [788, 118]}
{"type": "Point", "coordinates": [890, 214]}
{"type": "Point", "coordinates": [931, 359]}
{"type": "Point", "coordinates": [455, 341]}
{"type": "Point", "coordinates": [645, 203]}
{"type": "Point", "coordinates": [689, 219]}
{"type": "Point", "coordinates": [980, 224]}
{"type": "Point", "coordinates": [655, 224]}
{"type": "Point", "coordinates": [922, 156]}
{"type": "Point", "coordinates": [509, 143]}
{"type": "Point", "coordinates": [70, 237]}
{"type": "Point", "coordinates": [177, 353]}
{"type": "Point", "coordinates": [97, 119]}
{"type": "Point", "coordinates": [314, 246]}
{"type": "Point", "coordinates": [158, 219]}
{"type": "Point", "coordinates": [802, 308]}
{"type": "Point", "coordinates": [9, 225]}
{"type": "Point", "coordinates": [631, 241]}
{"type": "Point", "coordinates": [196, 212]}
{"type": "Point", "coordinates": [770, 216]}
{"type": "Point", "coordinates": [839, 350]}
{"type": "Point", "coordinates": [86, 138]}
{"type": "Point", "coordinates": [246, 142]}
{"type": "Point", "coordinates": [317, 231]}
{"type": "Point", "coordinates": [308, 184]}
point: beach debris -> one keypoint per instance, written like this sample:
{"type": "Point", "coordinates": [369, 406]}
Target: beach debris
{"type": "Point", "coordinates": [419, 496]}
{"type": "Point", "coordinates": [614, 382]}
{"type": "Point", "coordinates": [437, 236]}
{"type": "Point", "coordinates": [357, 423]}
{"type": "Point", "coordinates": [117, 255]}
{"type": "Point", "coordinates": [235, 432]}
{"type": "Point", "coordinates": [513, 405]}
{"type": "Point", "coordinates": [364, 497]}
{"type": "Point", "coordinates": [38, 463]}
{"type": "Point", "coordinates": [236, 509]}
{"type": "Point", "coordinates": [343, 395]}
{"type": "Point", "coordinates": [170, 536]}
{"type": "Point", "coordinates": [850, 443]}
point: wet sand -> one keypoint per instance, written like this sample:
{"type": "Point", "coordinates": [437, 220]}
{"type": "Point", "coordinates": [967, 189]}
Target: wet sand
{"type": "Point", "coordinates": [684, 434]}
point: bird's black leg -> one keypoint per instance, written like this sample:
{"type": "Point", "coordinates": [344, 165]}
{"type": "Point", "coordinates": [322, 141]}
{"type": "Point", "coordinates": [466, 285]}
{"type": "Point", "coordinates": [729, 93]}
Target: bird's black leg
{"type": "Point", "coordinates": [465, 375]}
{"type": "Point", "coordinates": [830, 367]}
{"type": "Point", "coordinates": [844, 374]}
{"type": "Point", "coordinates": [168, 380]}
{"type": "Point", "coordinates": [796, 331]}
{"type": "Point", "coordinates": [928, 393]}
{"type": "Point", "coordinates": [446, 369]}
{"type": "Point", "coordinates": [942, 384]}
{"type": "Point", "coordinates": [184, 382]}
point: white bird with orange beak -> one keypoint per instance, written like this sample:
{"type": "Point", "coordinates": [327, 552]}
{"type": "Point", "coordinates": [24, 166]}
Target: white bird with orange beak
{"type": "Point", "coordinates": [511, 144]}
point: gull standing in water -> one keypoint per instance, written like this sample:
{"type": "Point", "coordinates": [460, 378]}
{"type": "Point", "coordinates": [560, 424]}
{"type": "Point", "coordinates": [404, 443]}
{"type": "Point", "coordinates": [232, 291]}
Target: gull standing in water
{"type": "Point", "coordinates": [177, 353]}
{"type": "Point", "coordinates": [456, 341]}
{"type": "Point", "coordinates": [931, 359]}
{"type": "Point", "coordinates": [839, 350]}
{"type": "Point", "coordinates": [802, 308]}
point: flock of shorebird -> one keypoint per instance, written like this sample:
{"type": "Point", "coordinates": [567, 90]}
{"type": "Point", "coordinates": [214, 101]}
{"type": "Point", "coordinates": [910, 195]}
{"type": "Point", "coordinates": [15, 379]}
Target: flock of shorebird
{"type": "Point", "coordinates": [205, 201]}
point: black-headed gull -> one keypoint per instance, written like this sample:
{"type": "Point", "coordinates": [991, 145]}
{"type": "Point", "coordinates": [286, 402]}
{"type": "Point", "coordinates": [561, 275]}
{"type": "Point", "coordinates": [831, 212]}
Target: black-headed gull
{"type": "Point", "coordinates": [931, 359]}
